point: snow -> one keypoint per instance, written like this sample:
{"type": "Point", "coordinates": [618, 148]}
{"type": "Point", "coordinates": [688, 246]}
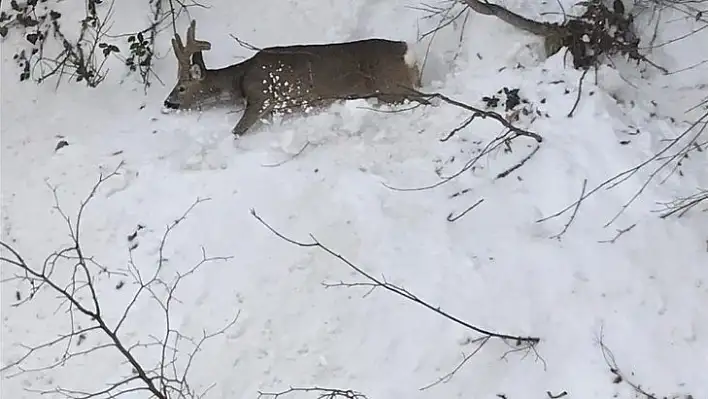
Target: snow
{"type": "Point", "coordinates": [495, 267]}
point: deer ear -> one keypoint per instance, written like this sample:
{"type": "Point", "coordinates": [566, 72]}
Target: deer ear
{"type": "Point", "coordinates": [196, 72]}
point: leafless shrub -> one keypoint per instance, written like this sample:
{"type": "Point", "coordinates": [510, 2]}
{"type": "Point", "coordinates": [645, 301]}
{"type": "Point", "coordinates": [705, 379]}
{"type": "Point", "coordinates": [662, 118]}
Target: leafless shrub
{"type": "Point", "coordinates": [83, 58]}
{"type": "Point", "coordinates": [79, 298]}
{"type": "Point", "coordinates": [77, 58]}
{"type": "Point", "coordinates": [141, 55]}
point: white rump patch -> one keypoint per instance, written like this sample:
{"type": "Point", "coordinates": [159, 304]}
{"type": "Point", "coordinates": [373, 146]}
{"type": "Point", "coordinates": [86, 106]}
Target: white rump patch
{"type": "Point", "coordinates": [410, 57]}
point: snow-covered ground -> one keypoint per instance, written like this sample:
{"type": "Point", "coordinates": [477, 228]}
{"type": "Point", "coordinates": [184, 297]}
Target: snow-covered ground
{"type": "Point", "coordinates": [495, 267]}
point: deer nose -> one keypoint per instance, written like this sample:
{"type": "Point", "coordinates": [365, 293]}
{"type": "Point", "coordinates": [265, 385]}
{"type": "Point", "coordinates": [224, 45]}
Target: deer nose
{"type": "Point", "coordinates": [169, 104]}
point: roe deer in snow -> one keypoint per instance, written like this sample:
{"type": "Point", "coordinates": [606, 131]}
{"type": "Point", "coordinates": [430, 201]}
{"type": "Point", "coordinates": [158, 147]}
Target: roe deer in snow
{"type": "Point", "coordinates": [297, 78]}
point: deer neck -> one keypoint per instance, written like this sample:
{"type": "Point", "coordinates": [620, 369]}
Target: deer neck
{"type": "Point", "coordinates": [226, 82]}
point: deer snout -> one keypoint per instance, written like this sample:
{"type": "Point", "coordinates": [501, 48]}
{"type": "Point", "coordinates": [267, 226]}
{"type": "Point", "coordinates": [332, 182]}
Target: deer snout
{"type": "Point", "coordinates": [171, 105]}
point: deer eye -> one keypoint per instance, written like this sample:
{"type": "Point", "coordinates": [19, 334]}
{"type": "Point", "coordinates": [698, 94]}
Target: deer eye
{"type": "Point", "coordinates": [182, 89]}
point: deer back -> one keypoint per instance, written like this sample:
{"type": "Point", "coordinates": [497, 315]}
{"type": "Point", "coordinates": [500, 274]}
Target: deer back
{"type": "Point", "coordinates": [299, 76]}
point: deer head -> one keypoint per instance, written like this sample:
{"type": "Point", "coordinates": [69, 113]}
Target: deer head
{"type": "Point", "coordinates": [191, 71]}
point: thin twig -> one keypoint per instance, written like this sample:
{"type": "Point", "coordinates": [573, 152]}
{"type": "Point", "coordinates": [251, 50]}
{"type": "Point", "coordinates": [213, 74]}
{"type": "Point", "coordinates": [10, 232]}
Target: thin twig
{"type": "Point", "coordinates": [619, 234]}
{"type": "Point", "coordinates": [615, 370]}
{"type": "Point", "coordinates": [465, 357]}
{"type": "Point", "coordinates": [273, 165]}
{"type": "Point", "coordinates": [519, 164]}
{"type": "Point", "coordinates": [453, 218]}
{"type": "Point", "coordinates": [575, 212]}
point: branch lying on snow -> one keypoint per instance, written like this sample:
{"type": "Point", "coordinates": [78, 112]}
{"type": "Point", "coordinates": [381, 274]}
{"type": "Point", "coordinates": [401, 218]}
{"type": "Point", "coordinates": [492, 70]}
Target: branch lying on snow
{"type": "Point", "coordinates": [519, 164]}
{"type": "Point", "coordinates": [453, 218]}
{"type": "Point", "coordinates": [323, 393]}
{"type": "Point", "coordinates": [425, 98]}
{"type": "Point", "coordinates": [509, 134]}
{"type": "Point", "coordinates": [520, 343]}
{"type": "Point", "coordinates": [479, 113]}
{"type": "Point", "coordinates": [79, 296]}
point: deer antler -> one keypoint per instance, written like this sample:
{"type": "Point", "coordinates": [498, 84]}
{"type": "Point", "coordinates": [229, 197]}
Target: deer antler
{"type": "Point", "coordinates": [193, 47]}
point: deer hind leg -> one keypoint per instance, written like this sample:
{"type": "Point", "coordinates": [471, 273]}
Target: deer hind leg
{"type": "Point", "coordinates": [397, 96]}
{"type": "Point", "coordinates": [400, 93]}
{"type": "Point", "coordinates": [404, 85]}
{"type": "Point", "coordinates": [411, 69]}
{"type": "Point", "coordinates": [253, 113]}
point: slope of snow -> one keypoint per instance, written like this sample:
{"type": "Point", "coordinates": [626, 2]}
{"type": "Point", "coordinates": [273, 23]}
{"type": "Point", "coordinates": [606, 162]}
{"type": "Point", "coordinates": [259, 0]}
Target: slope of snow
{"type": "Point", "coordinates": [495, 267]}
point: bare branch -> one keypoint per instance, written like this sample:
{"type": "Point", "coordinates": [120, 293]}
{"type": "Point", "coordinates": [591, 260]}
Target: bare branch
{"type": "Point", "coordinates": [509, 134]}
{"type": "Point", "coordinates": [323, 393]}
{"type": "Point", "coordinates": [521, 342]}
{"type": "Point", "coordinates": [477, 112]}
{"type": "Point", "coordinates": [519, 164]}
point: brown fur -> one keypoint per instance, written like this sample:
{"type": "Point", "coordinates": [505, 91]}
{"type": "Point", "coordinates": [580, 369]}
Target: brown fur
{"type": "Point", "coordinates": [294, 79]}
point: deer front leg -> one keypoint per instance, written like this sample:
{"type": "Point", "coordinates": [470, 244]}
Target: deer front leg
{"type": "Point", "coordinates": [253, 113]}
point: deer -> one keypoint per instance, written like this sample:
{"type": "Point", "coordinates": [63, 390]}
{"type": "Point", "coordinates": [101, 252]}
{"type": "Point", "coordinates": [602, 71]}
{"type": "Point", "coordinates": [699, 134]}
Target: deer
{"type": "Point", "coordinates": [295, 79]}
